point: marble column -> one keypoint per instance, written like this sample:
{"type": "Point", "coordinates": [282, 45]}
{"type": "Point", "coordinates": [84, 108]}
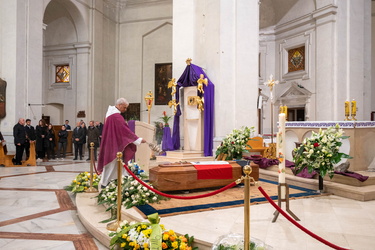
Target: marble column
{"type": "Point", "coordinates": [223, 38]}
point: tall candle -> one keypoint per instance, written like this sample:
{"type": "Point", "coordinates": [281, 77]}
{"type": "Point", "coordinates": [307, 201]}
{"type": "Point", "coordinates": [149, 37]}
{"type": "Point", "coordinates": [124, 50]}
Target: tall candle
{"type": "Point", "coordinates": [347, 108]}
{"type": "Point", "coordinates": [354, 107]}
{"type": "Point", "coordinates": [281, 152]}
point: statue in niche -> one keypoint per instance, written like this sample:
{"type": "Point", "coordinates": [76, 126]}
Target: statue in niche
{"type": "Point", "coordinates": [3, 85]}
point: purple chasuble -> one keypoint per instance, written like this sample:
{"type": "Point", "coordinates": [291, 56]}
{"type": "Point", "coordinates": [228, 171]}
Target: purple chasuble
{"type": "Point", "coordinates": [117, 137]}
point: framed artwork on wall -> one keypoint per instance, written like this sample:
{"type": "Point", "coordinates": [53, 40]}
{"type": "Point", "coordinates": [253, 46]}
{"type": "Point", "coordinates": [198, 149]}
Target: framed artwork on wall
{"type": "Point", "coordinates": [296, 59]}
{"type": "Point", "coordinates": [133, 112]}
{"type": "Point", "coordinates": [163, 74]}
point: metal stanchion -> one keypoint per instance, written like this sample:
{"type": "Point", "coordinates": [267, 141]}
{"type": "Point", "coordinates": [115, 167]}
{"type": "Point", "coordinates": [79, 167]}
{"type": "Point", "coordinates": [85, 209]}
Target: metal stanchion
{"type": "Point", "coordinates": [91, 189]}
{"type": "Point", "coordinates": [247, 171]}
{"type": "Point", "coordinates": [114, 225]}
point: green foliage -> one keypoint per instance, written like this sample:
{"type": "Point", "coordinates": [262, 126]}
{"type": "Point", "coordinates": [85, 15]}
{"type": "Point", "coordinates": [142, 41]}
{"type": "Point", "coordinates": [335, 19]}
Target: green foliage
{"type": "Point", "coordinates": [320, 152]}
{"type": "Point", "coordinates": [235, 143]}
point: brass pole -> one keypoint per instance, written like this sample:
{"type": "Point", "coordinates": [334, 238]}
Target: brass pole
{"type": "Point", "coordinates": [114, 225]}
{"type": "Point", "coordinates": [247, 171]}
{"type": "Point", "coordinates": [91, 189]}
{"type": "Point", "coordinates": [271, 122]}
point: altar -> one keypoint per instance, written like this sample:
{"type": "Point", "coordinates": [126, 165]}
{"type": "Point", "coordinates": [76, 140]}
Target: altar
{"type": "Point", "coordinates": [360, 145]}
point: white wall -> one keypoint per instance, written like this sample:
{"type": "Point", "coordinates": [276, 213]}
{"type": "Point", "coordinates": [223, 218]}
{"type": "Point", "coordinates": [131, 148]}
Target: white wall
{"type": "Point", "coordinates": [145, 39]}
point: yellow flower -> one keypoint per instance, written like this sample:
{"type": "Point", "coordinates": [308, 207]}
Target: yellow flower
{"type": "Point", "coordinates": [131, 243]}
{"type": "Point", "coordinates": [137, 246]}
{"type": "Point", "coordinates": [175, 244]}
{"type": "Point", "coordinates": [171, 232]}
{"type": "Point", "coordinates": [145, 245]}
{"type": "Point", "coordinates": [78, 183]}
{"type": "Point", "coordinates": [182, 246]}
{"type": "Point", "coordinates": [123, 245]}
{"type": "Point", "coordinates": [124, 236]}
{"type": "Point", "coordinates": [165, 236]}
{"type": "Point", "coordinates": [162, 227]}
{"type": "Point", "coordinates": [85, 187]}
{"type": "Point", "coordinates": [74, 181]}
{"type": "Point", "coordinates": [144, 226]}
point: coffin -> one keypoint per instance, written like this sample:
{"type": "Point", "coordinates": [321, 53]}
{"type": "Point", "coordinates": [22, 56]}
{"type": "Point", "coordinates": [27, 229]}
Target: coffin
{"type": "Point", "coordinates": [185, 176]}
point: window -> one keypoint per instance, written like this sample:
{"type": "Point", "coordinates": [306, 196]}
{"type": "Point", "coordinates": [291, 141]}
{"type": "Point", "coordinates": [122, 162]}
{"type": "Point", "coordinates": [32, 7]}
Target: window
{"type": "Point", "coordinates": [62, 73]}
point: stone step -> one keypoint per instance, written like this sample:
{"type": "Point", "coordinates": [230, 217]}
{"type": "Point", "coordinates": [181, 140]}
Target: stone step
{"type": "Point", "coordinates": [182, 153]}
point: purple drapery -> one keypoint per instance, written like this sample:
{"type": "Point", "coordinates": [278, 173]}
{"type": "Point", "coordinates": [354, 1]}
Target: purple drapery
{"type": "Point", "coordinates": [167, 144]}
{"type": "Point", "coordinates": [189, 78]}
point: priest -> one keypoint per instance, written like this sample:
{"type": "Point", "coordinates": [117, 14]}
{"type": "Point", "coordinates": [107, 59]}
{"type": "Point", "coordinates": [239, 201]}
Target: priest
{"type": "Point", "coordinates": [116, 137]}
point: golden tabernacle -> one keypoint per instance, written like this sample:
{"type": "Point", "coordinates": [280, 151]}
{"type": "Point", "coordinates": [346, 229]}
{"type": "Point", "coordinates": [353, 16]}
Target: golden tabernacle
{"type": "Point", "coordinates": [186, 176]}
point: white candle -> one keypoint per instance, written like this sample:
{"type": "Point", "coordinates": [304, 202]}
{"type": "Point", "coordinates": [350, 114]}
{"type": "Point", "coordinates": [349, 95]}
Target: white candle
{"type": "Point", "coordinates": [281, 151]}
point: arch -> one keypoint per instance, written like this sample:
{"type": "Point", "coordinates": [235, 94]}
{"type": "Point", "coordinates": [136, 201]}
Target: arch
{"type": "Point", "coordinates": [55, 9]}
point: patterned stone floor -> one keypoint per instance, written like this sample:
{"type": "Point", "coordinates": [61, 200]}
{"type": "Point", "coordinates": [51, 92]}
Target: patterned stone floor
{"type": "Point", "coordinates": [35, 210]}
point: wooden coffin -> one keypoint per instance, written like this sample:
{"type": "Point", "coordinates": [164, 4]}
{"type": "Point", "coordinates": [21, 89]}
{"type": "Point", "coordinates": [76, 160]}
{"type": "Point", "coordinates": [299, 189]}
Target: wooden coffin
{"type": "Point", "coordinates": [183, 176]}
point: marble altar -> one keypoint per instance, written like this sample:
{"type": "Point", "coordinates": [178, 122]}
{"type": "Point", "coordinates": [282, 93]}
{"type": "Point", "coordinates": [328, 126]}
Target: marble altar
{"type": "Point", "coordinates": [360, 144]}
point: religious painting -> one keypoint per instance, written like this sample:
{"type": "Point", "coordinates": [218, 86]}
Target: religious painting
{"type": "Point", "coordinates": [163, 74]}
{"type": "Point", "coordinates": [62, 74]}
{"type": "Point", "coordinates": [296, 59]}
{"type": "Point", "coordinates": [3, 86]}
{"type": "Point", "coordinates": [133, 112]}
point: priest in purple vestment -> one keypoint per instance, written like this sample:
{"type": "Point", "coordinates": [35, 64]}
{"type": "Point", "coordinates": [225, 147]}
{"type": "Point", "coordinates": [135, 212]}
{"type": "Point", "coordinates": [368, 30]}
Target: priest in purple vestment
{"type": "Point", "coordinates": [116, 137]}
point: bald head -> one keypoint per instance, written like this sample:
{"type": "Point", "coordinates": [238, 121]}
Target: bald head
{"type": "Point", "coordinates": [21, 121]}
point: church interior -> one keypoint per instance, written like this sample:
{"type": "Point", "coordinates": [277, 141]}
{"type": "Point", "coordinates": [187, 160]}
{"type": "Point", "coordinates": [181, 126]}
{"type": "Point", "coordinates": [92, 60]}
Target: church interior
{"type": "Point", "coordinates": [194, 72]}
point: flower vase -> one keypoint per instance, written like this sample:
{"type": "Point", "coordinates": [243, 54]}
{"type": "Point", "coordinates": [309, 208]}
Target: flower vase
{"type": "Point", "coordinates": [321, 187]}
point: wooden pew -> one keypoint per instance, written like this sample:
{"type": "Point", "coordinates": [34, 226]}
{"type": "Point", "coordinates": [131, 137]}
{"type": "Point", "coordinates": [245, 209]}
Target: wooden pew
{"type": "Point", "coordinates": [6, 159]}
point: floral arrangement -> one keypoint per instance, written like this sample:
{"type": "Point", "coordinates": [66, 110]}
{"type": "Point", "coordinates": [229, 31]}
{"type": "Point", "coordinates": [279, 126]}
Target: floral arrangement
{"type": "Point", "coordinates": [320, 152]}
{"type": "Point", "coordinates": [165, 118]}
{"type": "Point", "coordinates": [82, 182]}
{"type": "Point", "coordinates": [235, 143]}
{"type": "Point", "coordinates": [234, 241]}
{"type": "Point", "coordinates": [133, 193]}
{"type": "Point", "coordinates": [137, 236]}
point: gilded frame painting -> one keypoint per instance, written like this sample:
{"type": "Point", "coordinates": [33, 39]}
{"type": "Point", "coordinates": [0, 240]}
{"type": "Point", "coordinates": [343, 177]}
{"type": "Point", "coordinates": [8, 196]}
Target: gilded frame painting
{"type": "Point", "coordinates": [163, 74]}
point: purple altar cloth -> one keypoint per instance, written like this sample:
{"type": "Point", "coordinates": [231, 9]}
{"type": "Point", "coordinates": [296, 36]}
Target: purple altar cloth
{"type": "Point", "coordinates": [167, 144]}
{"type": "Point", "coordinates": [265, 163]}
{"type": "Point", "coordinates": [354, 175]}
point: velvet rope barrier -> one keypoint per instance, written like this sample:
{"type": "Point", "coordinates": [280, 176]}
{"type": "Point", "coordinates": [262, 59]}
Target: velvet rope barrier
{"type": "Point", "coordinates": [297, 224]}
{"type": "Point", "coordinates": [175, 196]}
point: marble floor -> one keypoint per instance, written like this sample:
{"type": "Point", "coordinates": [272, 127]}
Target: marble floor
{"type": "Point", "coordinates": [37, 213]}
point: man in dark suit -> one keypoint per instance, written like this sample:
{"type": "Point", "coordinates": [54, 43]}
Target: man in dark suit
{"type": "Point", "coordinates": [30, 137]}
{"type": "Point", "coordinates": [78, 138]}
{"type": "Point", "coordinates": [67, 126]}
{"type": "Point", "coordinates": [19, 135]}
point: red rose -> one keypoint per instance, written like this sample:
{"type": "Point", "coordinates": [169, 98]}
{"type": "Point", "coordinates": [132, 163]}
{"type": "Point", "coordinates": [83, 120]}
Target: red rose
{"type": "Point", "coordinates": [316, 144]}
{"type": "Point", "coordinates": [164, 113]}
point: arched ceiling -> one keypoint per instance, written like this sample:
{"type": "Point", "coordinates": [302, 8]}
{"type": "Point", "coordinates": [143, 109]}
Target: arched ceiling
{"type": "Point", "coordinates": [54, 11]}
{"type": "Point", "coordinates": [271, 11]}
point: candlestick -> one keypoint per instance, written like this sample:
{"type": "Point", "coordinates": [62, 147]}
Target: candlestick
{"type": "Point", "coordinates": [354, 110]}
{"type": "Point", "coordinates": [281, 151]}
{"type": "Point", "coordinates": [285, 111]}
{"type": "Point", "coordinates": [149, 98]}
{"type": "Point", "coordinates": [347, 111]}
